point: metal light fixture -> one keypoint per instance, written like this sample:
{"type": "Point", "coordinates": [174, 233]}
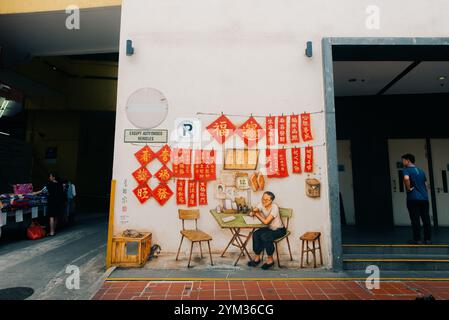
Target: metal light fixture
{"type": "Point", "coordinates": [129, 48]}
{"type": "Point", "coordinates": [309, 49]}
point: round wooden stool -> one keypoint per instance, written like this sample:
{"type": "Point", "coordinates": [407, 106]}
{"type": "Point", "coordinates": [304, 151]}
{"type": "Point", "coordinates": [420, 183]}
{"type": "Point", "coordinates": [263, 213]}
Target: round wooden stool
{"type": "Point", "coordinates": [315, 238]}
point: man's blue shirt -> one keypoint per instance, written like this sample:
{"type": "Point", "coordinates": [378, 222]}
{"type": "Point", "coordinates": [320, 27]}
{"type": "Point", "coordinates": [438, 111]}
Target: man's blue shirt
{"type": "Point", "coordinates": [417, 182]}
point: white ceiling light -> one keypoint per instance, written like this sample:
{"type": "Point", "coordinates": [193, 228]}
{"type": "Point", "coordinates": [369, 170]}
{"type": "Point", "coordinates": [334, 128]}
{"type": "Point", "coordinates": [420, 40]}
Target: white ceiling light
{"type": "Point", "coordinates": [9, 108]}
{"type": "Point", "coordinates": [146, 108]}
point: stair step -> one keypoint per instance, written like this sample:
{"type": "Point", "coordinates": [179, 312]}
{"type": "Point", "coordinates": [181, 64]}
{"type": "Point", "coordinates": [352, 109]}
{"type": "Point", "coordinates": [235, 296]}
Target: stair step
{"type": "Point", "coordinates": [405, 262]}
{"type": "Point", "coordinates": [395, 249]}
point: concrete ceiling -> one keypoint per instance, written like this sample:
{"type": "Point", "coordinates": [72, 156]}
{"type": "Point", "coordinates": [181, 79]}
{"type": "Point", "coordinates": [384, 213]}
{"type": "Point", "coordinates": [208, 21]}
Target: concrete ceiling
{"type": "Point", "coordinates": [362, 78]}
{"type": "Point", "coordinates": [45, 34]}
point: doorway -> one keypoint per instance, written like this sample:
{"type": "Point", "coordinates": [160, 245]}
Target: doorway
{"type": "Point", "coordinates": [384, 98]}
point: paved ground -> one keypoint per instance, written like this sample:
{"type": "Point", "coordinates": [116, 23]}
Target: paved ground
{"type": "Point", "coordinates": [269, 290]}
{"type": "Point", "coordinates": [42, 264]}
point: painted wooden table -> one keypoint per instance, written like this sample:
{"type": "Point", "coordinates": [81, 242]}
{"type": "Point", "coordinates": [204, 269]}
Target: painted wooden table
{"type": "Point", "coordinates": [238, 239]}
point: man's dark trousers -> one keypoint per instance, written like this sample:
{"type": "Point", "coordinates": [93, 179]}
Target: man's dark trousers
{"type": "Point", "coordinates": [419, 209]}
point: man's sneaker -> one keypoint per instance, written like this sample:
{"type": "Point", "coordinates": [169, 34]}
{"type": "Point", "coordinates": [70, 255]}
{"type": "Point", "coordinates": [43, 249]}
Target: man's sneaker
{"type": "Point", "coordinates": [428, 242]}
{"type": "Point", "coordinates": [414, 242]}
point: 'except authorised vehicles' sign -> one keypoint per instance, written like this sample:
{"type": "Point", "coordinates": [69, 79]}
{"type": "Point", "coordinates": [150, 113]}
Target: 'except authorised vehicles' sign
{"type": "Point", "coordinates": [146, 136]}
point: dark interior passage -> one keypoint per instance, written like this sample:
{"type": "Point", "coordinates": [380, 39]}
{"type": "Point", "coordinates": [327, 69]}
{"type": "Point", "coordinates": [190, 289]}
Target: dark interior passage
{"type": "Point", "coordinates": [368, 122]}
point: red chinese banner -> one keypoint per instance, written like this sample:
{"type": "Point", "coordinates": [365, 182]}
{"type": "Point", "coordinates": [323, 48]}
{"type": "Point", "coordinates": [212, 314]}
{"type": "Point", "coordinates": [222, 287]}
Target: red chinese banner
{"type": "Point", "coordinates": [276, 163]}
{"type": "Point", "coordinates": [192, 200]}
{"type": "Point", "coordinates": [181, 192]}
{"type": "Point", "coordinates": [271, 130]}
{"type": "Point", "coordinates": [205, 167]}
{"type": "Point", "coordinates": [306, 127]}
{"type": "Point", "coordinates": [162, 193]}
{"type": "Point", "coordinates": [282, 129]}
{"type": "Point", "coordinates": [294, 129]}
{"type": "Point", "coordinates": [182, 163]}
{"type": "Point", "coordinates": [164, 154]}
{"type": "Point", "coordinates": [308, 165]}
{"type": "Point", "coordinates": [143, 193]}
{"type": "Point", "coordinates": [202, 197]}
{"type": "Point", "coordinates": [142, 175]}
{"type": "Point", "coordinates": [164, 174]}
{"type": "Point", "coordinates": [221, 129]}
{"type": "Point", "coordinates": [250, 132]}
{"type": "Point", "coordinates": [144, 156]}
{"type": "Point", "coordinates": [296, 160]}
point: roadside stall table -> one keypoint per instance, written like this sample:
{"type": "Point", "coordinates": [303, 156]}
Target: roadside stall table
{"type": "Point", "coordinates": [238, 239]}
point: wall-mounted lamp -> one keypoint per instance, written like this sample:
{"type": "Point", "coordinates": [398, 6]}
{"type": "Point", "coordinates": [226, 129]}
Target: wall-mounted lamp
{"type": "Point", "coordinates": [129, 48]}
{"type": "Point", "coordinates": [309, 49]}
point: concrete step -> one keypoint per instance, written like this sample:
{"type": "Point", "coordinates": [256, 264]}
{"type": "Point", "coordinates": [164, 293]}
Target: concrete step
{"type": "Point", "coordinates": [402, 262]}
{"type": "Point", "coordinates": [395, 249]}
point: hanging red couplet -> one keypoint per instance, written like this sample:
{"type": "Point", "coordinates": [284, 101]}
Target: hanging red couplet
{"type": "Point", "coordinates": [205, 167]}
{"type": "Point", "coordinates": [144, 155]}
{"type": "Point", "coordinates": [271, 130]}
{"type": "Point", "coordinates": [164, 154]}
{"type": "Point", "coordinates": [182, 163]}
{"type": "Point", "coordinates": [192, 191]}
{"type": "Point", "coordinates": [181, 192]}
{"type": "Point", "coordinates": [306, 127]}
{"type": "Point", "coordinates": [250, 132]}
{"type": "Point", "coordinates": [221, 129]}
{"type": "Point", "coordinates": [142, 175]}
{"type": "Point", "coordinates": [294, 129]}
{"type": "Point", "coordinates": [164, 174]}
{"type": "Point", "coordinates": [282, 129]}
{"type": "Point", "coordinates": [143, 193]}
{"type": "Point", "coordinates": [308, 165]}
{"type": "Point", "coordinates": [296, 160]}
{"type": "Point", "coordinates": [162, 193]}
{"type": "Point", "coordinates": [276, 163]}
{"type": "Point", "coordinates": [202, 191]}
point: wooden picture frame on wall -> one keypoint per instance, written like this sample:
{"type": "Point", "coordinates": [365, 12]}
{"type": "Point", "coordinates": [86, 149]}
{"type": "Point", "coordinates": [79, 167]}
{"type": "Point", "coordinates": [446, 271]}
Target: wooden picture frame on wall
{"type": "Point", "coordinates": [241, 159]}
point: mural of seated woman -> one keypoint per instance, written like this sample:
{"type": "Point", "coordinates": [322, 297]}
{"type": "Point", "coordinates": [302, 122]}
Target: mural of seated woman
{"type": "Point", "coordinates": [268, 212]}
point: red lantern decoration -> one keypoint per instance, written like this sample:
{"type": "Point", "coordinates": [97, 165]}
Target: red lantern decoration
{"type": "Point", "coordinates": [182, 163]}
{"type": "Point", "coordinates": [294, 129]}
{"type": "Point", "coordinates": [142, 175]}
{"type": "Point", "coordinates": [308, 165]}
{"type": "Point", "coordinates": [192, 199]}
{"type": "Point", "coordinates": [202, 193]}
{"type": "Point", "coordinates": [306, 127]}
{"type": "Point", "coordinates": [282, 129]}
{"type": "Point", "coordinates": [164, 174]}
{"type": "Point", "coordinates": [250, 132]}
{"type": "Point", "coordinates": [271, 130]}
{"type": "Point", "coordinates": [221, 129]}
{"type": "Point", "coordinates": [276, 163]}
{"type": "Point", "coordinates": [144, 155]}
{"type": "Point", "coordinates": [164, 154]}
{"type": "Point", "coordinates": [162, 193]}
{"type": "Point", "coordinates": [296, 160]}
{"type": "Point", "coordinates": [143, 193]}
{"type": "Point", "coordinates": [181, 192]}
{"type": "Point", "coordinates": [205, 167]}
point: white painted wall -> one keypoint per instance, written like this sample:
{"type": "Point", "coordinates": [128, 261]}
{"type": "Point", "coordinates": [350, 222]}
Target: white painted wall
{"type": "Point", "coordinates": [243, 56]}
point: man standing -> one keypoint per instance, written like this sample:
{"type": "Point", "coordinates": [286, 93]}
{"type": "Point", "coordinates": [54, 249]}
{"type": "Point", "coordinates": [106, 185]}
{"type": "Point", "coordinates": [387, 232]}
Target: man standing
{"type": "Point", "coordinates": [415, 182]}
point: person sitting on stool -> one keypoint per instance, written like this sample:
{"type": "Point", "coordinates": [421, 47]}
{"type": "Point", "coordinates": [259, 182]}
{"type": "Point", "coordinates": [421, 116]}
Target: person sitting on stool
{"type": "Point", "coordinates": [263, 238]}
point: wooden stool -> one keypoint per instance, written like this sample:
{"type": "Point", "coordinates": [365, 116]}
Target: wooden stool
{"type": "Point", "coordinates": [305, 249]}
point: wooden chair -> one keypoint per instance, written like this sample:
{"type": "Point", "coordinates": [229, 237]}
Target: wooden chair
{"type": "Point", "coordinates": [285, 214]}
{"type": "Point", "coordinates": [193, 235]}
{"type": "Point", "coordinates": [314, 237]}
